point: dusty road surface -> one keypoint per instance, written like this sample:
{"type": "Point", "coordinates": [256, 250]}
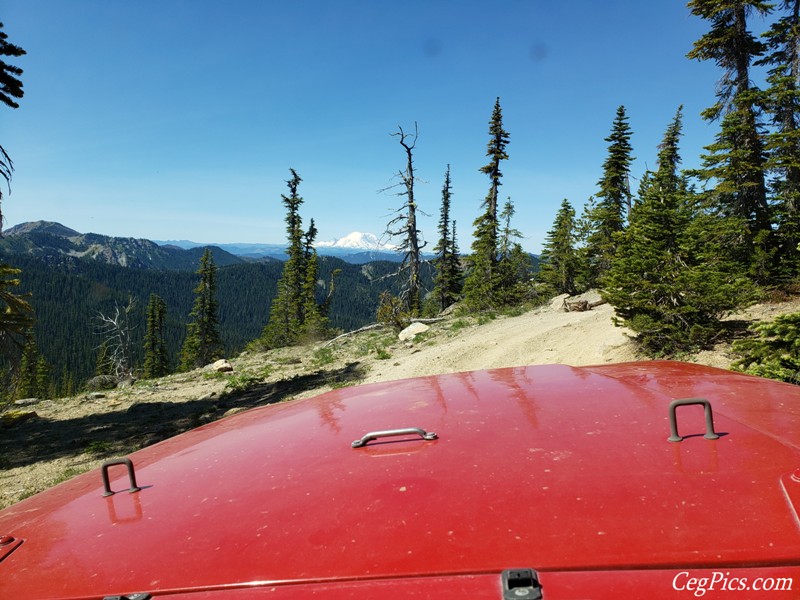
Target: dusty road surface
{"type": "Point", "coordinates": [544, 336]}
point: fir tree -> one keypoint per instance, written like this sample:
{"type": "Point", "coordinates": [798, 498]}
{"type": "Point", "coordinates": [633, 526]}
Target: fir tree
{"type": "Point", "coordinates": [43, 384]}
{"type": "Point", "coordinates": [156, 359]}
{"type": "Point", "coordinates": [315, 322]}
{"type": "Point", "coordinates": [735, 162]}
{"type": "Point", "coordinates": [16, 315]}
{"type": "Point", "coordinates": [608, 214]}
{"type": "Point", "coordinates": [782, 102]}
{"type": "Point", "coordinates": [447, 281]}
{"type": "Point", "coordinates": [480, 286]}
{"type": "Point", "coordinates": [10, 91]}
{"type": "Point", "coordinates": [514, 270]}
{"type": "Point", "coordinates": [664, 284]}
{"type": "Point", "coordinates": [103, 365]}
{"type": "Point", "coordinates": [202, 345]}
{"type": "Point", "coordinates": [26, 374]}
{"type": "Point", "coordinates": [774, 352]}
{"type": "Point", "coordinates": [559, 259]}
{"type": "Point", "coordinates": [66, 383]}
{"type": "Point", "coordinates": [295, 313]}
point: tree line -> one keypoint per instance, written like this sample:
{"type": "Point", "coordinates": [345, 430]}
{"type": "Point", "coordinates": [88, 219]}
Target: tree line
{"type": "Point", "coordinates": [691, 245]}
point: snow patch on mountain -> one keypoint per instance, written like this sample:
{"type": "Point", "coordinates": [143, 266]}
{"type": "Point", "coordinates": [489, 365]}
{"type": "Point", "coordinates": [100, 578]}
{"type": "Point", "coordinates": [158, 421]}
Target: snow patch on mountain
{"type": "Point", "coordinates": [358, 241]}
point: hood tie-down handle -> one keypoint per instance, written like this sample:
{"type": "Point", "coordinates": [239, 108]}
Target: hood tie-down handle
{"type": "Point", "coordinates": [374, 435]}
{"type": "Point", "coordinates": [673, 418]}
{"type": "Point", "coordinates": [131, 475]}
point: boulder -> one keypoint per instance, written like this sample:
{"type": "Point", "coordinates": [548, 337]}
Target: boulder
{"type": "Point", "coordinates": [413, 330]}
{"type": "Point", "coordinates": [221, 366]}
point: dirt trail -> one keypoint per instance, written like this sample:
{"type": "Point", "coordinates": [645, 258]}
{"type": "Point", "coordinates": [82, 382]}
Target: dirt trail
{"type": "Point", "coordinates": [543, 336]}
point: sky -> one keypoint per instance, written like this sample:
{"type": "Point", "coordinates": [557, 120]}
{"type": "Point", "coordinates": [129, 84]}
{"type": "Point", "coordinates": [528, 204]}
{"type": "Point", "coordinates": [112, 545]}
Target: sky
{"type": "Point", "coordinates": [180, 119]}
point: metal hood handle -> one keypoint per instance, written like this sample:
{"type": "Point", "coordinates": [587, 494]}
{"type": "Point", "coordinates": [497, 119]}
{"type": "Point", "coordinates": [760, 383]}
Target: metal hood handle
{"type": "Point", "coordinates": [374, 435]}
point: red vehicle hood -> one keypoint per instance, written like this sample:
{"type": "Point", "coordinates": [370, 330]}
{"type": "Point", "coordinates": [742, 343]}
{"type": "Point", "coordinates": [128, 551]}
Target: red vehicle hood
{"type": "Point", "coordinates": [559, 469]}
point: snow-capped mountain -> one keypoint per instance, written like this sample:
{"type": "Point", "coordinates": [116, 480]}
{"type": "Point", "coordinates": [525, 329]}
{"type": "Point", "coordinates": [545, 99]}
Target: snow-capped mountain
{"type": "Point", "coordinates": [358, 241]}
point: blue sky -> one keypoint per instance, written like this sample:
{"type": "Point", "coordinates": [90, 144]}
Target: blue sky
{"type": "Point", "coordinates": [180, 119]}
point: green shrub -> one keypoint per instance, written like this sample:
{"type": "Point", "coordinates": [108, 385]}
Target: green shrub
{"type": "Point", "coordinates": [774, 352]}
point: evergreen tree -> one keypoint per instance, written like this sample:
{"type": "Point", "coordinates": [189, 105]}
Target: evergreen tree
{"type": "Point", "coordinates": [315, 321]}
{"type": "Point", "coordinates": [103, 365]}
{"type": "Point", "coordinates": [514, 269]}
{"type": "Point", "coordinates": [782, 102]}
{"type": "Point", "coordinates": [202, 345]}
{"type": "Point", "coordinates": [559, 259]}
{"type": "Point", "coordinates": [664, 282]}
{"type": "Point", "coordinates": [16, 315]}
{"type": "Point", "coordinates": [26, 374]}
{"type": "Point", "coordinates": [735, 163]}
{"type": "Point", "coordinates": [774, 352]}
{"type": "Point", "coordinates": [42, 384]}
{"type": "Point", "coordinates": [66, 383]}
{"type": "Point", "coordinates": [295, 313]}
{"type": "Point", "coordinates": [447, 281]}
{"type": "Point", "coordinates": [480, 286]}
{"type": "Point", "coordinates": [607, 218]}
{"type": "Point", "coordinates": [156, 359]}
{"type": "Point", "coordinates": [10, 91]}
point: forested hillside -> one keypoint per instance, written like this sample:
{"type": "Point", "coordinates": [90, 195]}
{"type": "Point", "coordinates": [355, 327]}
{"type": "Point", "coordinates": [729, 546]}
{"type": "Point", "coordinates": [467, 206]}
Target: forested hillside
{"type": "Point", "coordinates": [68, 294]}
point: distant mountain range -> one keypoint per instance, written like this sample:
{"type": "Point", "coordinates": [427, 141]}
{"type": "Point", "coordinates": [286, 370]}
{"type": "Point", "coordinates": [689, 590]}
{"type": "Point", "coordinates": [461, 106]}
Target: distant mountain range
{"type": "Point", "coordinates": [51, 240]}
{"type": "Point", "coordinates": [356, 248]}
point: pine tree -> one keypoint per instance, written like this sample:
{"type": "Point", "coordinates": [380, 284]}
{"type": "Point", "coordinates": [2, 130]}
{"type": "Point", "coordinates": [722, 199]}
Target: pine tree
{"type": "Point", "coordinates": [774, 352]}
{"type": "Point", "coordinates": [156, 358]}
{"type": "Point", "coordinates": [782, 102]}
{"type": "Point", "coordinates": [447, 281]}
{"type": "Point", "coordinates": [664, 283]}
{"type": "Point", "coordinates": [202, 344]}
{"type": "Point", "coordinates": [26, 374]}
{"type": "Point", "coordinates": [609, 213]}
{"type": "Point", "coordinates": [66, 383]}
{"type": "Point", "coordinates": [42, 379]}
{"type": "Point", "coordinates": [103, 364]}
{"type": "Point", "coordinates": [10, 91]}
{"type": "Point", "coordinates": [559, 258]}
{"type": "Point", "coordinates": [16, 315]}
{"type": "Point", "coordinates": [735, 162]}
{"type": "Point", "coordinates": [514, 269]}
{"type": "Point", "coordinates": [480, 286]}
{"type": "Point", "coordinates": [315, 322]}
{"type": "Point", "coordinates": [295, 313]}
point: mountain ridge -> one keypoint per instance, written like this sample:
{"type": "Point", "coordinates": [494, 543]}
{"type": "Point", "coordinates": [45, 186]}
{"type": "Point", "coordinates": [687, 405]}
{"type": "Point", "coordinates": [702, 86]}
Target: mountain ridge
{"type": "Point", "coordinates": [52, 240]}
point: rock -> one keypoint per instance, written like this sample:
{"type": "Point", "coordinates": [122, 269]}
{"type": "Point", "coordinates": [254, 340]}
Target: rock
{"type": "Point", "coordinates": [449, 310]}
{"type": "Point", "coordinates": [557, 303]}
{"type": "Point", "coordinates": [126, 383]}
{"type": "Point", "coordinates": [413, 330]}
{"type": "Point", "coordinates": [95, 396]}
{"type": "Point", "coordinates": [26, 401]}
{"type": "Point", "coordinates": [221, 366]}
{"type": "Point", "coordinates": [15, 417]}
{"type": "Point", "coordinates": [102, 382]}
{"type": "Point", "coordinates": [233, 411]}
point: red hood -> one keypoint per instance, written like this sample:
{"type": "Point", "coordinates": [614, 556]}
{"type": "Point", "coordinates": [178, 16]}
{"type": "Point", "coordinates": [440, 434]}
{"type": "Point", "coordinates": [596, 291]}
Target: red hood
{"type": "Point", "coordinates": [550, 467]}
